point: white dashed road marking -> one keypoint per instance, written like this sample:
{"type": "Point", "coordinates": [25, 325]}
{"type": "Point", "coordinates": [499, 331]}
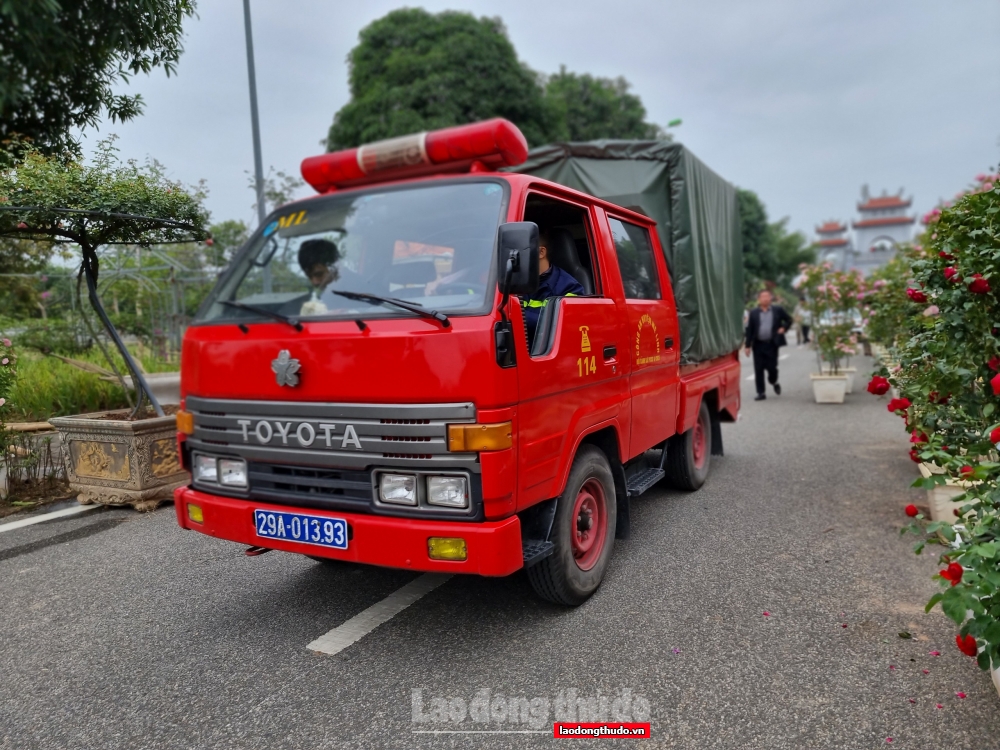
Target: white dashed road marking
{"type": "Point", "coordinates": [47, 517]}
{"type": "Point", "coordinates": [783, 356]}
{"type": "Point", "coordinates": [750, 377]}
{"type": "Point", "coordinates": [365, 622]}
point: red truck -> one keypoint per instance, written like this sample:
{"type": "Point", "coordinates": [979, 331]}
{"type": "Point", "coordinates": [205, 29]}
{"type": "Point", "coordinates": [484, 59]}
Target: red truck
{"type": "Point", "coordinates": [360, 385]}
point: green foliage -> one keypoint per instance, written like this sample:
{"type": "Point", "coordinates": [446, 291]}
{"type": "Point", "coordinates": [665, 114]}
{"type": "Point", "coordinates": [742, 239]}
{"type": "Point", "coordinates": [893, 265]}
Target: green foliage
{"type": "Point", "coordinates": [770, 252]}
{"type": "Point", "coordinates": [227, 237]}
{"type": "Point", "coordinates": [585, 108]}
{"type": "Point", "coordinates": [19, 294]}
{"type": "Point", "coordinates": [887, 308]}
{"type": "Point", "coordinates": [46, 387]}
{"type": "Point", "coordinates": [61, 60]}
{"type": "Point", "coordinates": [8, 376]}
{"type": "Point", "coordinates": [66, 337]}
{"type": "Point", "coordinates": [413, 71]}
{"type": "Point", "coordinates": [98, 203]}
{"type": "Point", "coordinates": [948, 367]}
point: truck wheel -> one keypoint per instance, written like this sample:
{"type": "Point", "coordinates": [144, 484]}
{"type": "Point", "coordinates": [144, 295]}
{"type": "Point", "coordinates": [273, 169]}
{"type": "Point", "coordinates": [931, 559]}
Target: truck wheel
{"type": "Point", "coordinates": [689, 455]}
{"type": "Point", "coordinates": [583, 533]}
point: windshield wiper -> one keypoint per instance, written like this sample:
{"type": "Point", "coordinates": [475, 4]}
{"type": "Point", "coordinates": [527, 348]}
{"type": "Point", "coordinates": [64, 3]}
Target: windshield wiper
{"type": "Point", "coordinates": [402, 304]}
{"type": "Point", "coordinates": [293, 322]}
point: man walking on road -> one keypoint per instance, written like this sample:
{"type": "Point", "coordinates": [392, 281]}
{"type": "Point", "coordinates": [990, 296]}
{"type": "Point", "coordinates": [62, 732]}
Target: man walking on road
{"type": "Point", "coordinates": [766, 326]}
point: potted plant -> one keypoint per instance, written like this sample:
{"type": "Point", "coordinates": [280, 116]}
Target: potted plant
{"type": "Point", "coordinates": [115, 458]}
{"type": "Point", "coordinates": [830, 298]}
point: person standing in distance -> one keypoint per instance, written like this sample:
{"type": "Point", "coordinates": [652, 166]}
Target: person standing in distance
{"type": "Point", "coordinates": [766, 326]}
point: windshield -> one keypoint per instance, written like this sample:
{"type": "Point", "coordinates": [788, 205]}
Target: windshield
{"type": "Point", "coordinates": [430, 245]}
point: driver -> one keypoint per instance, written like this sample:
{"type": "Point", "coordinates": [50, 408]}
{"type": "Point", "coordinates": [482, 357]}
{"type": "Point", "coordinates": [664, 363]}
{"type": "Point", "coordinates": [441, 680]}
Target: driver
{"type": "Point", "coordinates": [318, 259]}
{"type": "Point", "coordinates": [552, 282]}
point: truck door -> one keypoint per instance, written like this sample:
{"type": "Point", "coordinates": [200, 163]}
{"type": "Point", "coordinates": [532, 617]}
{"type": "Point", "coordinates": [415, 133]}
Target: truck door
{"type": "Point", "coordinates": [574, 377]}
{"type": "Point", "coordinates": [653, 337]}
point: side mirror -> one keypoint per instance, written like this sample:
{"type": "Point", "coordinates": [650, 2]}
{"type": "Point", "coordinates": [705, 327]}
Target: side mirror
{"type": "Point", "coordinates": [517, 258]}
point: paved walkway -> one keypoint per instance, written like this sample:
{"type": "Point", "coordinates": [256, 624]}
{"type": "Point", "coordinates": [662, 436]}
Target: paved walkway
{"type": "Point", "coordinates": [120, 630]}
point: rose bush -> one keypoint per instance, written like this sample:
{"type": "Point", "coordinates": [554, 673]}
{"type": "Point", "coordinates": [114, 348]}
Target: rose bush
{"type": "Point", "coordinates": [949, 396]}
{"type": "Point", "coordinates": [8, 374]}
{"type": "Point", "coordinates": [832, 299]}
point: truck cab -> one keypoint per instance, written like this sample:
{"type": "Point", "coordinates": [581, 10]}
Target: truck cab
{"type": "Point", "coordinates": [360, 386]}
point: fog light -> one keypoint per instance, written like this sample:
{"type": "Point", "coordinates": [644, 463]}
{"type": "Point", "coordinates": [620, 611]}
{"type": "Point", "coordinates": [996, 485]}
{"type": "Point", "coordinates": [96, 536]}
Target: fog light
{"type": "Point", "coordinates": [451, 492]}
{"type": "Point", "coordinates": [233, 472]}
{"type": "Point", "coordinates": [399, 489]}
{"type": "Point", "coordinates": [206, 469]}
{"type": "Point", "coordinates": [446, 548]}
{"type": "Point", "coordinates": [194, 513]}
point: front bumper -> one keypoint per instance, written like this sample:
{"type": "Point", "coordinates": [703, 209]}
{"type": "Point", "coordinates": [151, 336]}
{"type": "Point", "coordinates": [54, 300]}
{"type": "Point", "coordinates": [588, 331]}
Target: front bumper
{"type": "Point", "coordinates": [494, 547]}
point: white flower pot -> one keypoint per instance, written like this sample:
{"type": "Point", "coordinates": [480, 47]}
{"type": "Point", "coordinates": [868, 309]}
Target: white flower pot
{"type": "Point", "coordinates": [829, 389]}
{"type": "Point", "coordinates": [848, 371]}
{"type": "Point", "coordinates": [941, 498]}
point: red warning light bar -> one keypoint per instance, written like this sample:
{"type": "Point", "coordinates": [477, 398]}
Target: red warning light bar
{"type": "Point", "coordinates": [483, 146]}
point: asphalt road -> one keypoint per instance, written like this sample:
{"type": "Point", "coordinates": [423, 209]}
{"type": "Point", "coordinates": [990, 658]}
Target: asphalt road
{"type": "Point", "coordinates": [119, 630]}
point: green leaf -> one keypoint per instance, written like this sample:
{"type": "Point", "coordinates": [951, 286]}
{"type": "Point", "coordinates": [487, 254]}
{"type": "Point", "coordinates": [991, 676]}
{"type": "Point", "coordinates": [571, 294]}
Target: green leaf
{"type": "Point", "coordinates": [932, 601]}
{"type": "Point", "coordinates": [988, 409]}
{"type": "Point", "coordinates": [954, 607]}
{"type": "Point", "coordinates": [905, 635]}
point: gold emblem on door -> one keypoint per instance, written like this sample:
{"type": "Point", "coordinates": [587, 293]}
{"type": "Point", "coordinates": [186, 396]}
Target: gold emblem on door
{"type": "Point", "coordinates": [584, 339]}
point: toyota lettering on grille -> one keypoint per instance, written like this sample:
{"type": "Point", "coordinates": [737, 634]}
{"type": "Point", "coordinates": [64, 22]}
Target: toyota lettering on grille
{"type": "Point", "coordinates": [303, 433]}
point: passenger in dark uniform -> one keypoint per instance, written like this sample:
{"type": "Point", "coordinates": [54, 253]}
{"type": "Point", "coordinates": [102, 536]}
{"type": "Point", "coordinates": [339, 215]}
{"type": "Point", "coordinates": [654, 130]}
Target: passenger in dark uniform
{"type": "Point", "coordinates": [552, 282]}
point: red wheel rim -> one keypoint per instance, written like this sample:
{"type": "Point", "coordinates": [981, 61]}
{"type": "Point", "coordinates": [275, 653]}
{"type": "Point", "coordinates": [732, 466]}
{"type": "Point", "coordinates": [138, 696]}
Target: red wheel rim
{"type": "Point", "coordinates": [698, 444]}
{"type": "Point", "coordinates": [590, 524]}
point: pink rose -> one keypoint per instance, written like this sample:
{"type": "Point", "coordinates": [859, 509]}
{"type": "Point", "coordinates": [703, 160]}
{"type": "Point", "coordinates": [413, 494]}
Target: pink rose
{"type": "Point", "coordinates": [931, 311]}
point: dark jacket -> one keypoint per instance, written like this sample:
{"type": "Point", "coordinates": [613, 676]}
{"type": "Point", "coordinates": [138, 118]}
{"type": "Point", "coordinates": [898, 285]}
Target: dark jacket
{"type": "Point", "coordinates": [779, 319]}
{"type": "Point", "coordinates": [553, 283]}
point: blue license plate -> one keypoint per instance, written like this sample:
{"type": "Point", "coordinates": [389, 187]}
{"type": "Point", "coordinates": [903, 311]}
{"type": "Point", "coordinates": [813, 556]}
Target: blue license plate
{"type": "Point", "coordinates": [299, 527]}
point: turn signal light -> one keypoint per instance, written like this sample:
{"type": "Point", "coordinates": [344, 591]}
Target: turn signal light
{"type": "Point", "coordinates": [195, 514]}
{"type": "Point", "coordinates": [185, 422]}
{"type": "Point", "coordinates": [479, 437]}
{"type": "Point", "coordinates": [447, 548]}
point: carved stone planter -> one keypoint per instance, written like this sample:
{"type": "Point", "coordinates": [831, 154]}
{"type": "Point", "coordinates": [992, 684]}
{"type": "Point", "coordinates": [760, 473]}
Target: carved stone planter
{"type": "Point", "coordinates": [117, 462]}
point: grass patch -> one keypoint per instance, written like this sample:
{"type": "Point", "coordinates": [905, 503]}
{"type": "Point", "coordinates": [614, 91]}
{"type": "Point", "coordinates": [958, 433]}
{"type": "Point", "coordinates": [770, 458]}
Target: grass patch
{"type": "Point", "coordinates": [46, 387]}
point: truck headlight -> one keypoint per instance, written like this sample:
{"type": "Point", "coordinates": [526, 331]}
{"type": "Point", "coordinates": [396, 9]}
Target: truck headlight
{"type": "Point", "coordinates": [398, 489]}
{"type": "Point", "coordinates": [206, 469]}
{"type": "Point", "coordinates": [450, 492]}
{"type": "Point", "coordinates": [233, 472]}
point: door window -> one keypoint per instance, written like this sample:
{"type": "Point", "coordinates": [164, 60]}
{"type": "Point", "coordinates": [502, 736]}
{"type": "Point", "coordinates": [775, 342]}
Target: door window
{"type": "Point", "coordinates": [635, 260]}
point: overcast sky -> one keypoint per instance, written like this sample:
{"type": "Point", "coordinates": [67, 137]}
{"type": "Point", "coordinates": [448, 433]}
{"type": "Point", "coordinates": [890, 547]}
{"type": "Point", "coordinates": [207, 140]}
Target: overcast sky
{"type": "Point", "coordinates": [802, 102]}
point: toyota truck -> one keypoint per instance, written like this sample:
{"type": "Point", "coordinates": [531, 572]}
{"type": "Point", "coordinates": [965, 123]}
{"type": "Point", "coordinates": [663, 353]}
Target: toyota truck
{"type": "Point", "coordinates": [360, 386]}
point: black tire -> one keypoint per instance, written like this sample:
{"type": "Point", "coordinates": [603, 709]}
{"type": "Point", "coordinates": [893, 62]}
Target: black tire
{"type": "Point", "coordinates": [687, 466]}
{"type": "Point", "coordinates": [559, 578]}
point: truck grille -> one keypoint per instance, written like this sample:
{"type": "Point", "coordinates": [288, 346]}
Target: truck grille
{"type": "Point", "coordinates": [323, 435]}
{"type": "Point", "coordinates": [322, 488]}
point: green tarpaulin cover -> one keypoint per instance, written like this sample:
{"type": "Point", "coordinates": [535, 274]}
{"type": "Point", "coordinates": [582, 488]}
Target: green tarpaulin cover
{"type": "Point", "coordinates": [697, 218]}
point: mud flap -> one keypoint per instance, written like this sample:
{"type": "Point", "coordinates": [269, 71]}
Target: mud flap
{"type": "Point", "coordinates": [716, 432]}
{"type": "Point", "coordinates": [623, 525]}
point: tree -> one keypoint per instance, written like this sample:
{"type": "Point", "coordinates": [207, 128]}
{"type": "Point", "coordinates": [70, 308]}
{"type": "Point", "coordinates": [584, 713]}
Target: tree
{"type": "Point", "coordinates": [414, 71]}
{"type": "Point", "coordinates": [588, 108]}
{"type": "Point", "coordinates": [758, 255]}
{"type": "Point", "coordinates": [61, 59]}
{"type": "Point", "coordinates": [56, 199]}
{"type": "Point", "coordinates": [770, 252]}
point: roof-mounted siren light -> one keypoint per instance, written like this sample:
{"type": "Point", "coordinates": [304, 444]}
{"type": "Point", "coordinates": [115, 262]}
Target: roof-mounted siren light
{"type": "Point", "coordinates": [482, 146]}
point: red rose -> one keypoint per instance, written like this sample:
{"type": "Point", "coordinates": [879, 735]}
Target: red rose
{"type": "Point", "coordinates": [967, 645]}
{"type": "Point", "coordinates": [878, 385]}
{"type": "Point", "coordinates": [995, 382]}
{"type": "Point", "coordinates": [946, 256]}
{"type": "Point", "coordinates": [209, 242]}
{"type": "Point", "coordinates": [951, 274]}
{"type": "Point", "coordinates": [979, 285]}
{"type": "Point", "coordinates": [915, 456]}
{"type": "Point", "coordinates": [918, 437]}
{"type": "Point", "coordinates": [911, 510]}
{"type": "Point", "coordinates": [994, 363]}
{"type": "Point", "coordinates": [953, 573]}
{"type": "Point", "coordinates": [995, 435]}
{"type": "Point", "coordinates": [902, 404]}
{"type": "Point", "coordinates": [916, 295]}
{"type": "Point", "coordinates": [966, 471]}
